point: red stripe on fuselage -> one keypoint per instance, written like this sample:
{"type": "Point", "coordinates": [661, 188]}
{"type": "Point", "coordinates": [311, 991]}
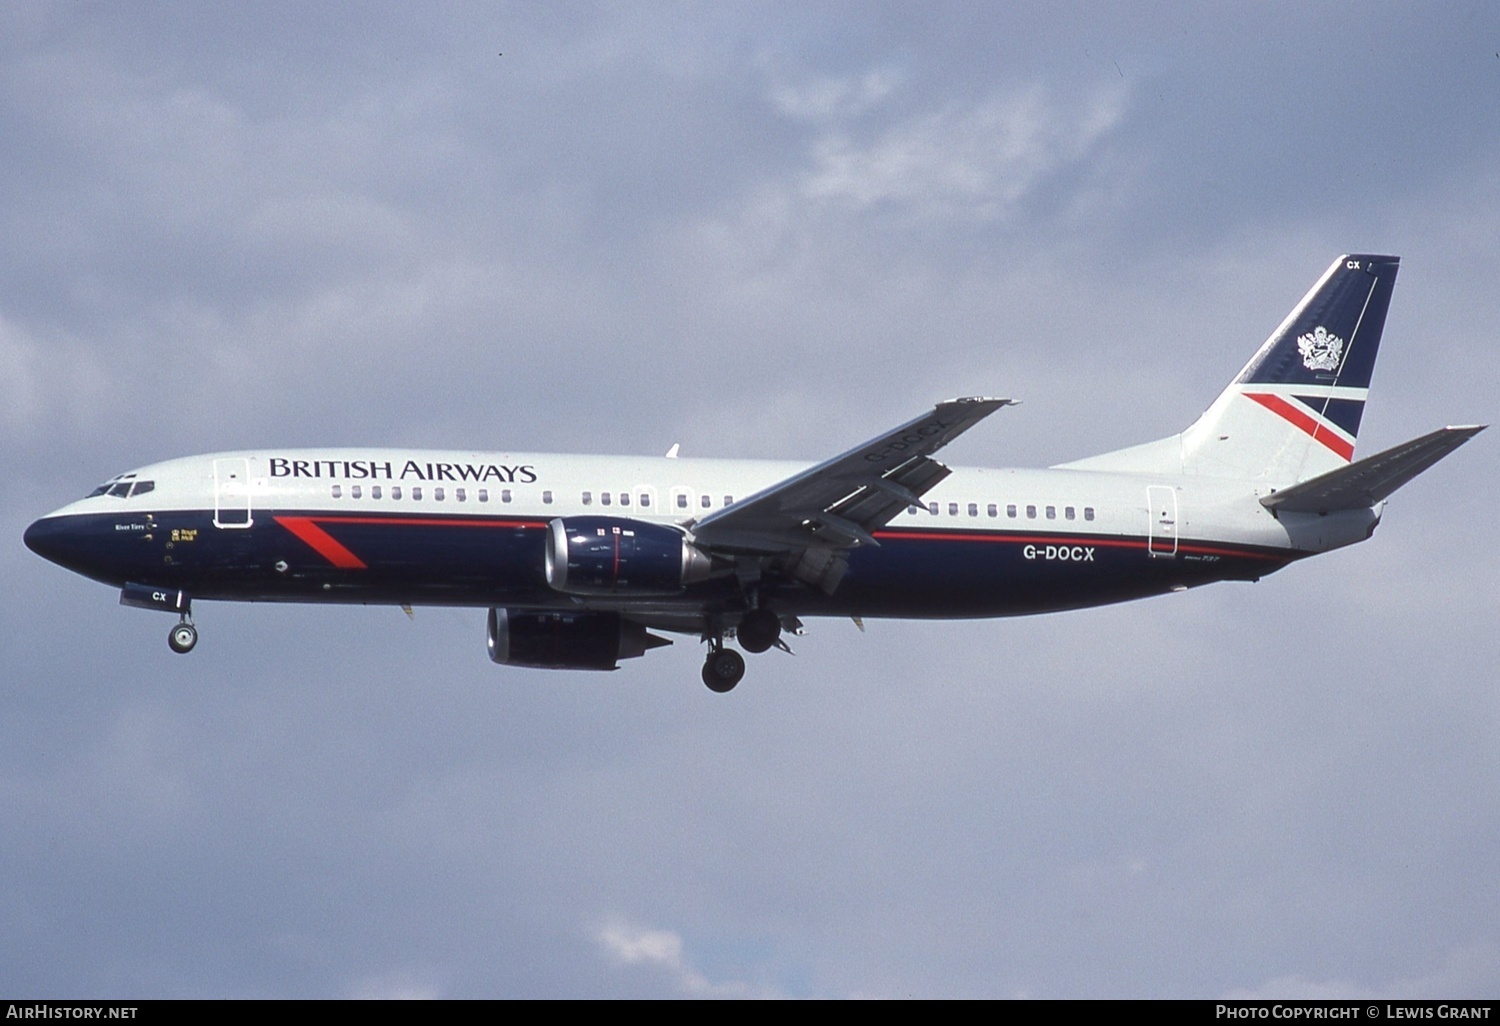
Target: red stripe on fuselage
{"type": "Point", "coordinates": [306, 528]}
{"type": "Point", "coordinates": [1303, 421]}
{"type": "Point", "coordinates": [1072, 539]}
{"type": "Point", "coordinates": [427, 521]}
{"type": "Point", "coordinates": [331, 549]}
{"type": "Point", "coordinates": [323, 543]}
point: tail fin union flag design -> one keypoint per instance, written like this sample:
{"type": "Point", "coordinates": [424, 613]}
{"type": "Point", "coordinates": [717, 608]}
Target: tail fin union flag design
{"type": "Point", "coordinates": [1329, 419]}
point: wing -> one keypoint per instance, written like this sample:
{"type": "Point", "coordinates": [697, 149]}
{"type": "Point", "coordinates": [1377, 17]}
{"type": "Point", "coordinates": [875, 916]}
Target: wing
{"type": "Point", "coordinates": [1364, 483]}
{"type": "Point", "coordinates": [817, 515]}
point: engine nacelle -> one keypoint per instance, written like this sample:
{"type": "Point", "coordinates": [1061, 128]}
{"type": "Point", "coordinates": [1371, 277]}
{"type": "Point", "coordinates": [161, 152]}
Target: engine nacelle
{"type": "Point", "coordinates": [568, 640]}
{"type": "Point", "coordinates": [614, 556]}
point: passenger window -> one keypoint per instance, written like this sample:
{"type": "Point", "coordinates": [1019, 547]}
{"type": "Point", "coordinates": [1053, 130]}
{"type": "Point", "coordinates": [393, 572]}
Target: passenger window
{"type": "Point", "coordinates": [1068, 512]}
{"type": "Point", "coordinates": [645, 499]}
{"type": "Point", "coordinates": [705, 502]}
{"type": "Point", "coordinates": [1088, 512]}
{"type": "Point", "coordinates": [437, 493]}
{"type": "Point", "coordinates": [624, 498]}
{"type": "Point", "coordinates": [416, 493]}
{"type": "Point", "coordinates": [973, 509]}
{"type": "Point", "coordinates": [604, 499]}
{"type": "Point", "coordinates": [1031, 512]}
{"type": "Point", "coordinates": [1010, 510]}
{"type": "Point", "coordinates": [505, 495]}
{"type": "Point", "coordinates": [993, 511]}
{"type": "Point", "coordinates": [460, 495]}
{"type": "Point", "coordinates": [484, 495]}
{"type": "Point", "coordinates": [588, 498]}
{"type": "Point", "coordinates": [932, 508]}
{"type": "Point", "coordinates": [354, 491]}
{"type": "Point", "coordinates": [953, 509]}
{"type": "Point", "coordinates": [395, 491]}
{"type": "Point", "coordinates": [338, 492]}
{"type": "Point", "coordinates": [729, 500]}
{"type": "Point", "coordinates": [374, 491]}
{"type": "Point", "coordinates": [911, 510]}
{"type": "Point", "coordinates": [1051, 512]}
{"type": "Point", "coordinates": [682, 502]}
{"type": "Point", "coordinates": [547, 497]}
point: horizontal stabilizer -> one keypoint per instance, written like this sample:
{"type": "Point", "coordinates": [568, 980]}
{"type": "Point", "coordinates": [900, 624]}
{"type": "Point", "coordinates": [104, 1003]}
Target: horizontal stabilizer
{"type": "Point", "coordinates": [1366, 482]}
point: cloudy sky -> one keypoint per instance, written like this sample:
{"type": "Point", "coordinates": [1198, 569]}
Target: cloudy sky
{"type": "Point", "coordinates": [759, 230]}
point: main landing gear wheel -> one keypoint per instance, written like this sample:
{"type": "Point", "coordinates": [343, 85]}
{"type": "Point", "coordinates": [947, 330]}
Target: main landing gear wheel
{"type": "Point", "coordinates": [759, 629]}
{"type": "Point", "coordinates": [182, 639]}
{"type": "Point", "coordinates": [723, 669]}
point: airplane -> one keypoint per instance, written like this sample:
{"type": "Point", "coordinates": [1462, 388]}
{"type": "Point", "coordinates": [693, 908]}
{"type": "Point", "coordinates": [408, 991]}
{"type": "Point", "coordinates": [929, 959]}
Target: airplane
{"type": "Point", "coordinates": [579, 559]}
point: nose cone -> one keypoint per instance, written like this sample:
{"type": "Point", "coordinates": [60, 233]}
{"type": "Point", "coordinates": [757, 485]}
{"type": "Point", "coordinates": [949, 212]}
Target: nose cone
{"type": "Point", "coordinates": [61, 540]}
{"type": "Point", "coordinates": [45, 539]}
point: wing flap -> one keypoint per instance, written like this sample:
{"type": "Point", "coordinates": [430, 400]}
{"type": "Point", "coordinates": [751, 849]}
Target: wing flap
{"type": "Point", "coordinates": [1366, 482]}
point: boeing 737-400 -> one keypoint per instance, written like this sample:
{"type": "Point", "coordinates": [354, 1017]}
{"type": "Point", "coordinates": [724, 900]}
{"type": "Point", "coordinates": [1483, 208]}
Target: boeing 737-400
{"type": "Point", "coordinates": [580, 558]}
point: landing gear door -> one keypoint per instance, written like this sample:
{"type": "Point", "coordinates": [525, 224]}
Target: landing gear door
{"type": "Point", "coordinates": [232, 493]}
{"type": "Point", "coordinates": [1161, 503]}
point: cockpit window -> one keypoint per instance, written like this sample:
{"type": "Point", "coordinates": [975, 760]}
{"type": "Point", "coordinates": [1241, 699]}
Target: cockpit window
{"type": "Point", "coordinates": [121, 487]}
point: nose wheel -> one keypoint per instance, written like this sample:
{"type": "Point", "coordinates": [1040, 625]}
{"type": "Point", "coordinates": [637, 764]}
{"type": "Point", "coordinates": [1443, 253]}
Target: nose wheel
{"type": "Point", "coordinates": [182, 638]}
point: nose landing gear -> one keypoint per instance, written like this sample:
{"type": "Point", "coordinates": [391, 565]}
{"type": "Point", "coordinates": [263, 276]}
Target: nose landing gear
{"type": "Point", "coordinates": [183, 637]}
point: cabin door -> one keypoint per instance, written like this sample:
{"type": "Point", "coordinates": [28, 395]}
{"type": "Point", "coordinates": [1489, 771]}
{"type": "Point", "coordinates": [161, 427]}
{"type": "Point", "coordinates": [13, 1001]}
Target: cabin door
{"type": "Point", "coordinates": [232, 492]}
{"type": "Point", "coordinates": [1161, 508]}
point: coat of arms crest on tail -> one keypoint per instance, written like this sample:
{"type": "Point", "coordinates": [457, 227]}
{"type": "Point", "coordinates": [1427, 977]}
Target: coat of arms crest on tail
{"type": "Point", "coordinates": [1320, 350]}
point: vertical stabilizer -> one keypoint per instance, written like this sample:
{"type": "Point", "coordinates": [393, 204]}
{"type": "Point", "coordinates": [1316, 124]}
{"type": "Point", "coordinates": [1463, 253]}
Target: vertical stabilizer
{"type": "Point", "coordinates": [1293, 413]}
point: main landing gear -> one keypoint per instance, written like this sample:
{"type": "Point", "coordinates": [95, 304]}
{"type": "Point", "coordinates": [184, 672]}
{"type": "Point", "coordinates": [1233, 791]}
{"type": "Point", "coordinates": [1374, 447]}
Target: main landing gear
{"type": "Point", "coordinates": [183, 637]}
{"type": "Point", "coordinates": [723, 668]}
{"type": "Point", "coordinates": [759, 630]}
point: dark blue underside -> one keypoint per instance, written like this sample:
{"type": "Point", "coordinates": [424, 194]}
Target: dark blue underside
{"type": "Point", "coordinates": [438, 560]}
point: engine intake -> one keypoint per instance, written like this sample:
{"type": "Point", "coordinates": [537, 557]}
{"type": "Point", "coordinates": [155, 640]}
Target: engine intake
{"type": "Point", "coordinates": [613, 556]}
{"type": "Point", "coordinates": [566, 640]}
